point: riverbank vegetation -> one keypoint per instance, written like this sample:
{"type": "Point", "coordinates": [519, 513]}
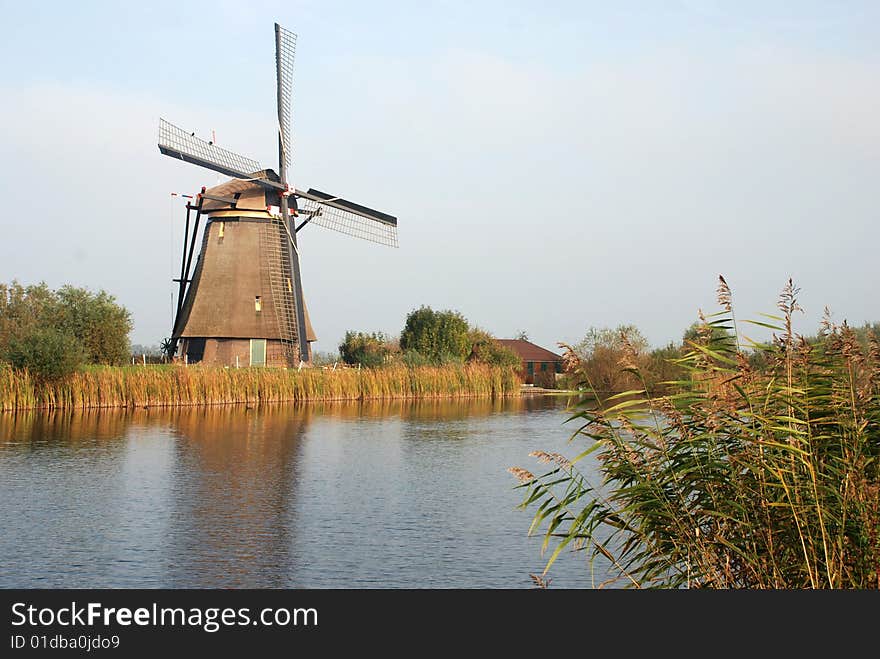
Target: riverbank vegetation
{"type": "Point", "coordinates": [595, 362]}
{"type": "Point", "coordinates": [66, 349]}
{"type": "Point", "coordinates": [167, 385]}
{"type": "Point", "coordinates": [759, 468]}
{"type": "Point", "coordinates": [51, 334]}
{"type": "Point", "coordinates": [428, 338]}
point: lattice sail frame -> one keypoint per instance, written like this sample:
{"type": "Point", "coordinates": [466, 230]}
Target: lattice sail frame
{"type": "Point", "coordinates": [349, 223]}
{"type": "Point", "coordinates": [178, 143]}
{"type": "Point", "coordinates": [284, 72]}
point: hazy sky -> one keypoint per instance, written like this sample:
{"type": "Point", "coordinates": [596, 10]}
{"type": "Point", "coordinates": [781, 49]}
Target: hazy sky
{"type": "Point", "coordinates": [554, 165]}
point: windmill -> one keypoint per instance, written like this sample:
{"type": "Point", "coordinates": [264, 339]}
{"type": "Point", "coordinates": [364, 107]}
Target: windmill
{"type": "Point", "coordinates": [243, 303]}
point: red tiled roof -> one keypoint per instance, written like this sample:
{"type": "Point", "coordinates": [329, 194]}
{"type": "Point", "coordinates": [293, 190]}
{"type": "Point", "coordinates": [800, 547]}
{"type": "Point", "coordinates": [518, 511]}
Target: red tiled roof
{"type": "Point", "coordinates": [529, 352]}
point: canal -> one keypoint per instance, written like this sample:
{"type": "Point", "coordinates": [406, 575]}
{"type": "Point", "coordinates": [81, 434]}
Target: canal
{"type": "Point", "coordinates": [392, 494]}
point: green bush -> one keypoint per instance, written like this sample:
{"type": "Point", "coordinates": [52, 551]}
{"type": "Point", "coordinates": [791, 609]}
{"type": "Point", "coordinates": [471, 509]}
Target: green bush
{"type": "Point", "coordinates": [96, 320]}
{"type": "Point", "coordinates": [47, 353]}
{"type": "Point", "coordinates": [485, 349]}
{"type": "Point", "coordinates": [662, 366]}
{"type": "Point", "coordinates": [98, 324]}
{"type": "Point", "coordinates": [440, 336]}
{"type": "Point", "coordinates": [415, 359]}
{"type": "Point", "coordinates": [368, 350]}
{"type": "Point", "coordinates": [22, 308]}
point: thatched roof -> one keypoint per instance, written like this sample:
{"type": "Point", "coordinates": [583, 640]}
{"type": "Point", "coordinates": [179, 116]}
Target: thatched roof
{"type": "Point", "coordinates": [229, 274]}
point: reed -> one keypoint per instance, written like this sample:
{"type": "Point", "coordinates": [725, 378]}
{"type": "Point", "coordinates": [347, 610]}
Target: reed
{"type": "Point", "coordinates": [170, 385]}
{"type": "Point", "coordinates": [744, 478]}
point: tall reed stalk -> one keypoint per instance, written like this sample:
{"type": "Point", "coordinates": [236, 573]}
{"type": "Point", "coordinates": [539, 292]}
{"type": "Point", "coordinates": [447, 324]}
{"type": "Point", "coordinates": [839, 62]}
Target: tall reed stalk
{"type": "Point", "coordinates": [156, 385]}
{"type": "Point", "coordinates": [745, 478]}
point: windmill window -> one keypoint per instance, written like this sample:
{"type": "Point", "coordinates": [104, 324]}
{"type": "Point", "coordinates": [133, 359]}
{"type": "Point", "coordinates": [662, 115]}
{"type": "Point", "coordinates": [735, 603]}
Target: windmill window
{"type": "Point", "coordinates": [220, 233]}
{"type": "Point", "coordinates": [258, 303]}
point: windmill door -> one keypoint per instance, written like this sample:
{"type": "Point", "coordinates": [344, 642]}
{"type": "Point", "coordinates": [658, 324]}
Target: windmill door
{"type": "Point", "coordinates": [258, 352]}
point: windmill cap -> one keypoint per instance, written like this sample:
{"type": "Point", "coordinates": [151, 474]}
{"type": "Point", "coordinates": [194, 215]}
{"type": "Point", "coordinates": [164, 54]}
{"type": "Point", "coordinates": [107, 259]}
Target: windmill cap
{"type": "Point", "coordinates": [249, 195]}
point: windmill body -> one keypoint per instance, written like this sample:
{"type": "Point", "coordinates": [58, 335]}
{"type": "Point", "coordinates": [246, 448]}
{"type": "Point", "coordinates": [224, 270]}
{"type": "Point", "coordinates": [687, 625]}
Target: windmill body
{"type": "Point", "coordinates": [238, 308]}
{"type": "Point", "coordinates": [243, 302]}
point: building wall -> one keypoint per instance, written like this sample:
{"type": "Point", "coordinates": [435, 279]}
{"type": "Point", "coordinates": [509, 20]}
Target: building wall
{"type": "Point", "coordinates": [222, 352]}
{"type": "Point", "coordinates": [540, 378]}
{"type": "Point", "coordinates": [232, 274]}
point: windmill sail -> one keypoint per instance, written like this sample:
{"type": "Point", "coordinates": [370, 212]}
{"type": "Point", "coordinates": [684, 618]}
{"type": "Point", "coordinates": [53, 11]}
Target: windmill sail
{"type": "Point", "coordinates": [285, 44]}
{"type": "Point", "coordinates": [177, 143]}
{"type": "Point", "coordinates": [285, 49]}
{"type": "Point", "coordinates": [348, 217]}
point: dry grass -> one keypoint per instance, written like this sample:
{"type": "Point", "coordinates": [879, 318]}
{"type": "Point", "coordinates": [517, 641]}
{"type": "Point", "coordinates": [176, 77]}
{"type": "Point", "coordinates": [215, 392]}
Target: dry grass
{"type": "Point", "coordinates": [162, 386]}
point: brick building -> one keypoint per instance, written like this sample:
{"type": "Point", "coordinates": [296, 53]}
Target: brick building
{"type": "Point", "coordinates": [539, 365]}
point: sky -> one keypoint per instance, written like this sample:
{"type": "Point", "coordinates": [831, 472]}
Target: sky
{"type": "Point", "coordinates": [554, 166]}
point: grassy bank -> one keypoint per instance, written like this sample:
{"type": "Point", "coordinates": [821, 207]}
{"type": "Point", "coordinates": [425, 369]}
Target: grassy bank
{"type": "Point", "coordinates": [163, 386]}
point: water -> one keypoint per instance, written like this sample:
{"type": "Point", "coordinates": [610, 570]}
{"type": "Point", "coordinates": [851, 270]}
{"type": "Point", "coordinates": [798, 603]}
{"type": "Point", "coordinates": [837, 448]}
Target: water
{"type": "Point", "coordinates": [370, 495]}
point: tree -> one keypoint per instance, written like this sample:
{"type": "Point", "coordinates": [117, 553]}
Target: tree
{"type": "Point", "coordinates": [663, 367]}
{"type": "Point", "coordinates": [605, 355]}
{"type": "Point", "coordinates": [439, 336]}
{"type": "Point", "coordinates": [484, 348]}
{"type": "Point", "coordinates": [98, 325]}
{"type": "Point", "coordinates": [368, 350]}
{"type": "Point", "coordinates": [22, 308]}
{"type": "Point", "coordinates": [613, 339]}
{"type": "Point", "coordinates": [154, 351]}
{"type": "Point", "coordinates": [325, 358]}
